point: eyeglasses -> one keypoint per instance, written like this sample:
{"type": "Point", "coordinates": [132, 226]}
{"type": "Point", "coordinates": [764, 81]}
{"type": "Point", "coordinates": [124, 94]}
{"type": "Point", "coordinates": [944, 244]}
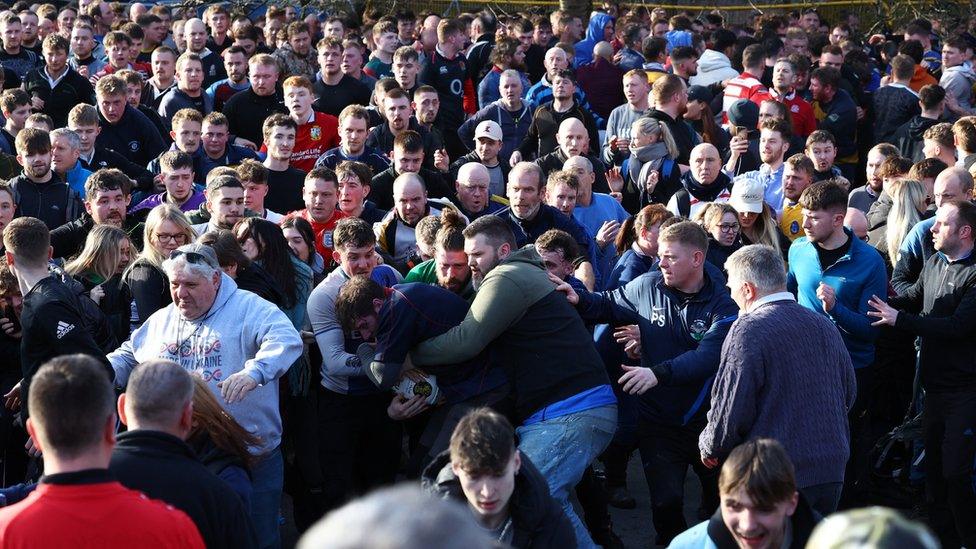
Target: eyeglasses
{"type": "Point", "coordinates": [178, 238]}
{"type": "Point", "coordinates": [729, 227]}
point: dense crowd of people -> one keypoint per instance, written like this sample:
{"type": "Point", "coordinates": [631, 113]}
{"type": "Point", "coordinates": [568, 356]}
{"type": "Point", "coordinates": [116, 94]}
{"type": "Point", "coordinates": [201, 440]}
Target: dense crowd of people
{"type": "Point", "coordinates": [313, 254]}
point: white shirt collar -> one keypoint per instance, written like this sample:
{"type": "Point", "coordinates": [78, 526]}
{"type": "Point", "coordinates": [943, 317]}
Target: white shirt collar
{"type": "Point", "coordinates": [778, 296]}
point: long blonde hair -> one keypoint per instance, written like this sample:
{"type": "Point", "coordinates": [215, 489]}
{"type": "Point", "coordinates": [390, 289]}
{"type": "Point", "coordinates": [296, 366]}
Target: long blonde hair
{"type": "Point", "coordinates": [156, 217]}
{"type": "Point", "coordinates": [764, 230]}
{"type": "Point", "coordinates": [907, 205]}
{"type": "Point", "coordinates": [101, 254]}
{"type": "Point", "coordinates": [651, 126]}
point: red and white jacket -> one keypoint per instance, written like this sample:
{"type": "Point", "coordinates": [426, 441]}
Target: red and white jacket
{"type": "Point", "coordinates": [744, 86]}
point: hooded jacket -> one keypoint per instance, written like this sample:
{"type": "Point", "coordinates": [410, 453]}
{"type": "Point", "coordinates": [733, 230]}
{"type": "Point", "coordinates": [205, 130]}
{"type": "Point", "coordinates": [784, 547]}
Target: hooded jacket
{"type": "Point", "coordinates": [594, 34]}
{"type": "Point", "coordinates": [713, 67]}
{"type": "Point", "coordinates": [713, 534]}
{"type": "Point", "coordinates": [539, 339]}
{"type": "Point", "coordinates": [538, 521]}
{"type": "Point", "coordinates": [218, 345]}
{"type": "Point", "coordinates": [515, 126]}
{"type": "Point", "coordinates": [908, 136]}
{"type": "Point", "coordinates": [959, 81]}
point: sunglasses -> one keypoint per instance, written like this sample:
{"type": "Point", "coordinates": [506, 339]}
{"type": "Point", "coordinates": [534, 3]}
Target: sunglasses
{"type": "Point", "coordinates": [192, 257]}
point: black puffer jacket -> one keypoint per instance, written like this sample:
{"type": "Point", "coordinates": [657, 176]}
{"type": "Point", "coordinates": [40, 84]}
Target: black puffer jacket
{"type": "Point", "coordinates": [539, 521]}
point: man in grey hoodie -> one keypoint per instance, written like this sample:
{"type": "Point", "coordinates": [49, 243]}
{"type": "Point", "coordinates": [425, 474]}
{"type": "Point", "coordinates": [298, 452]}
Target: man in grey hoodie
{"type": "Point", "coordinates": [957, 78]}
{"type": "Point", "coordinates": [240, 361]}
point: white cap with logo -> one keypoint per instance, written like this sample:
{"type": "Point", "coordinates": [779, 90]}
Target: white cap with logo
{"type": "Point", "coordinates": [489, 129]}
{"type": "Point", "coordinates": [747, 195]}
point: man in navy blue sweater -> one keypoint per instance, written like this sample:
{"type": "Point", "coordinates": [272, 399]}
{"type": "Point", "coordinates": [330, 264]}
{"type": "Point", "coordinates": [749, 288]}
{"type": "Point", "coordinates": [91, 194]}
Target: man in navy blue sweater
{"type": "Point", "coordinates": [394, 320]}
{"type": "Point", "coordinates": [684, 312]}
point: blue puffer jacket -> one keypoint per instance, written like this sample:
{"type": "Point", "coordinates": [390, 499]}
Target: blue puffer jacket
{"type": "Point", "coordinates": [681, 339]}
{"type": "Point", "coordinates": [855, 277]}
{"type": "Point", "coordinates": [594, 34]}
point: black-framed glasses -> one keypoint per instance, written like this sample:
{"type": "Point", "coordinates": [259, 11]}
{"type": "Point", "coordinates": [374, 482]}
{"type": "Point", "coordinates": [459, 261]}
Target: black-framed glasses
{"type": "Point", "coordinates": [728, 227]}
{"type": "Point", "coordinates": [179, 238]}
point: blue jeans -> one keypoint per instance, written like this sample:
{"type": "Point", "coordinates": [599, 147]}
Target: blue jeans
{"type": "Point", "coordinates": [268, 477]}
{"type": "Point", "coordinates": [562, 448]}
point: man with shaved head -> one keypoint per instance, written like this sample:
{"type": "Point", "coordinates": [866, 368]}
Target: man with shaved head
{"type": "Point", "coordinates": [953, 183]}
{"type": "Point", "coordinates": [528, 216]}
{"type": "Point", "coordinates": [195, 33]}
{"type": "Point", "coordinates": [396, 235]}
{"type": "Point", "coordinates": [703, 183]}
{"type": "Point", "coordinates": [152, 457]}
{"type": "Point", "coordinates": [574, 140]}
{"type": "Point", "coordinates": [474, 197]}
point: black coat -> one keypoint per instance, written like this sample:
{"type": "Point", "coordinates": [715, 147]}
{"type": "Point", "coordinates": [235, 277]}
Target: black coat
{"type": "Point", "coordinates": [473, 157]}
{"type": "Point", "coordinates": [71, 90]}
{"type": "Point", "coordinates": [381, 188]}
{"type": "Point", "coordinates": [539, 521]}
{"type": "Point", "coordinates": [555, 160]}
{"type": "Point", "coordinates": [165, 468]}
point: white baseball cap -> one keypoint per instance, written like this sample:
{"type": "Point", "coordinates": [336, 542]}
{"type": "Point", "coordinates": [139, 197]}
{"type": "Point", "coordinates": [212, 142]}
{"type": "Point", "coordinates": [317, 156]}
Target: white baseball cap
{"type": "Point", "coordinates": [747, 195]}
{"type": "Point", "coordinates": [489, 129]}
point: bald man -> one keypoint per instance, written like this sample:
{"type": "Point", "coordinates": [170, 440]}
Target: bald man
{"type": "Point", "coordinates": [857, 222]}
{"type": "Point", "coordinates": [703, 183]}
{"type": "Point", "coordinates": [542, 92]}
{"type": "Point", "coordinates": [474, 197]}
{"type": "Point", "coordinates": [195, 34]}
{"type": "Point", "coordinates": [574, 140]}
{"type": "Point", "coordinates": [954, 183]}
{"type": "Point", "coordinates": [152, 457]}
{"type": "Point", "coordinates": [395, 235]}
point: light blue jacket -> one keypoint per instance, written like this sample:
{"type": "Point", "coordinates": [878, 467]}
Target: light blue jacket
{"type": "Point", "coordinates": [855, 277]}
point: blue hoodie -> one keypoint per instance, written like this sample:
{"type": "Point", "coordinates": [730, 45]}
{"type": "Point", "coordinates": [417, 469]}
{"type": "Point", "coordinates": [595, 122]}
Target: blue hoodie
{"type": "Point", "coordinates": [855, 277]}
{"type": "Point", "coordinates": [594, 34]}
{"type": "Point", "coordinates": [218, 345]}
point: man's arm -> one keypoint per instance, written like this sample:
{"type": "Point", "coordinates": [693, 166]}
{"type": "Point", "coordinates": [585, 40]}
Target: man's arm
{"type": "Point", "coordinates": [734, 403]}
{"type": "Point", "coordinates": [960, 324]}
{"type": "Point", "coordinates": [329, 336]}
{"type": "Point", "coordinates": [499, 303]}
{"type": "Point", "coordinates": [857, 322]}
{"type": "Point", "coordinates": [279, 344]}
{"type": "Point", "coordinates": [700, 363]}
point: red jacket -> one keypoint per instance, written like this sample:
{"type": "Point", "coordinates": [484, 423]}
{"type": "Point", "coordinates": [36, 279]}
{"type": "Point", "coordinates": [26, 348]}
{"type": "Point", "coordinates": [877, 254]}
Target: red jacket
{"type": "Point", "coordinates": [93, 510]}
{"type": "Point", "coordinates": [801, 112]}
